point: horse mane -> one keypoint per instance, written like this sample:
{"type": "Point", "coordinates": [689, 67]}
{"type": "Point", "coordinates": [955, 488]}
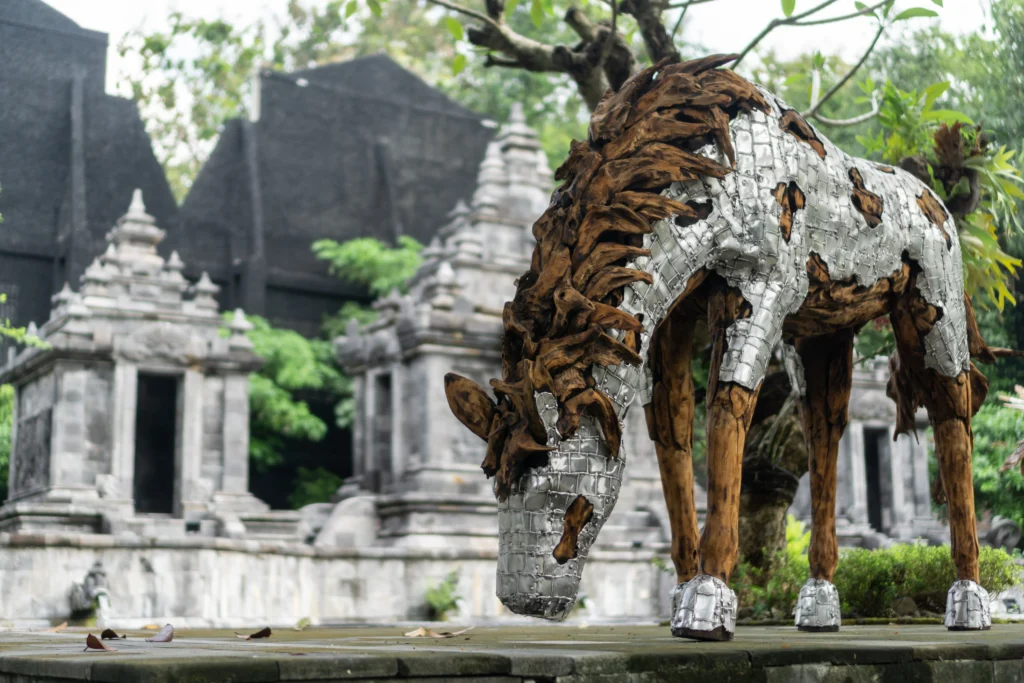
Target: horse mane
{"type": "Point", "coordinates": [564, 317]}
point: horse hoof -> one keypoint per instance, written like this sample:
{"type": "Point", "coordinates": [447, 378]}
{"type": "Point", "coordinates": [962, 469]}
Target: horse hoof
{"type": "Point", "coordinates": [705, 610]}
{"type": "Point", "coordinates": [817, 608]}
{"type": "Point", "coordinates": [967, 607]}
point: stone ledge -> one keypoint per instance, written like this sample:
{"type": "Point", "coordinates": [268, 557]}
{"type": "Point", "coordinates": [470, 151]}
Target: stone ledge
{"type": "Point", "coordinates": [543, 653]}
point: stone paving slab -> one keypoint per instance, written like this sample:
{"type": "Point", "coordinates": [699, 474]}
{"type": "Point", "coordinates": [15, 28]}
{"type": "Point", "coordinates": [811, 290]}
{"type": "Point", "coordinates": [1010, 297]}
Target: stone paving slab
{"type": "Point", "coordinates": [538, 654]}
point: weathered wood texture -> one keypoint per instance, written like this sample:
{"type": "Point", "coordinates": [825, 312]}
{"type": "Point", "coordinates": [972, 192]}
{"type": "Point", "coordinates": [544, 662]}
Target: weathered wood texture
{"type": "Point", "coordinates": [828, 376]}
{"type": "Point", "coordinates": [730, 408]}
{"type": "Point", "coordinates": [670, 426]}
{"type": "Point", "coordinates": [950, 407]}
{"type": "Point", "coordinates": [577, 515]}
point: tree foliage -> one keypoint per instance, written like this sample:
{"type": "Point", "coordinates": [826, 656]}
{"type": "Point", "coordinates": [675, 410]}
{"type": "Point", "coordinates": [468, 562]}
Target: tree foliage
{"type": "Point", "coordinates": [293, 364]}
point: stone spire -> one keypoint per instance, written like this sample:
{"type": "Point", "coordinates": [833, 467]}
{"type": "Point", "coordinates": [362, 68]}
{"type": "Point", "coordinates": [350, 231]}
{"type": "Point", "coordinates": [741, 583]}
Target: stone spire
{"type": "Point", "coordinates": [490, 183]}
{"type": "Point", "coordinates": [134, 239]}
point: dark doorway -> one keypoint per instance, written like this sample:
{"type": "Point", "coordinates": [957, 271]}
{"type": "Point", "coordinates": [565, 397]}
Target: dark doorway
{"type": "Point", "coordinates": [873, 445]}
{"type": "Point", "coordinates": [156, 418]}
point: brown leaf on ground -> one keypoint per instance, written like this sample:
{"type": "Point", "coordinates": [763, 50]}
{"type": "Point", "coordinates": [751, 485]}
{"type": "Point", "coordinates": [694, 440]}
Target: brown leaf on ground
{"type": "Point", "coordinates": [263, 633]}
{"type": "Point", "coordinates": [94, 643]}
{"type": "Point", "coordinates": [423, 632]}
{"type": "Point", "coordinates": [109, 634]}
{"type": "Point", "coordinates": [165, 635]}
{"type": "Point", "coordinates": [56, 629]}
{"type": "Point", "coordinates": [151, 627]}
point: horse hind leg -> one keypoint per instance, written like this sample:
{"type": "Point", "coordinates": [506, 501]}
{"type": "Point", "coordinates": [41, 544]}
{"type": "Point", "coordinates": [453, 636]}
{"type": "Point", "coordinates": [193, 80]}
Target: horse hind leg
{"type": "Point", "coordinates": [827, 365]}
{"type": "Point", "coordinates": [950, 407]}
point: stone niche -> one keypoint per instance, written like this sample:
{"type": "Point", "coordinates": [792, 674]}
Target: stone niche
{"type": "Point", "coordinates": [132, 415]}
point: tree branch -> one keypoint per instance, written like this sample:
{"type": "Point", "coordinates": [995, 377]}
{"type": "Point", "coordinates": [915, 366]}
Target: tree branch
{"type": "Point", "coordinates": [775, 23]}
{"type": "Point", "coordinates": [840, 123]}
{"type": "Point", "coordinates": [845, 79]}
{"type": "Point", "coordinates": [467, 12]}
{"type": "Point", "coordinates": [844, 17]}
{"type": "Point", "coordinates": [658, 42]}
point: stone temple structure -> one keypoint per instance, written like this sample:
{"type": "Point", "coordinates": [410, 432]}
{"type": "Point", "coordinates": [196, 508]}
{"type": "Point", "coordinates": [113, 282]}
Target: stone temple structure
{"type": "Point", "coordinates": [133, 416]}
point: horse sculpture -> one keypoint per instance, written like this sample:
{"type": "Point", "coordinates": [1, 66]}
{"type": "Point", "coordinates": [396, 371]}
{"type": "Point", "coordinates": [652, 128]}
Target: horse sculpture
{"type": "Point", "coordinates": [699, 195]}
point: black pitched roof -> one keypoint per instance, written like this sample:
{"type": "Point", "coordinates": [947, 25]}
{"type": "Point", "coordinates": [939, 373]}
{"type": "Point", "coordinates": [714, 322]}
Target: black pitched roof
{"type": "Point", "coordinates": [360, 148]}
{"type": "Point", "coordinates": [70, 155]}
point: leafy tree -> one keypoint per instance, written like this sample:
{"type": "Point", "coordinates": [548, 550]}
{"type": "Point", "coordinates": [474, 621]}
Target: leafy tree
{"type": "Point", "coordinates": [368, 262]}
{"type": "Point", "coordinates": [997, 429]}
{"type": "Point", "coordinates": [313, 486]}
{"type": "Point", "coordinates": [293, 364]}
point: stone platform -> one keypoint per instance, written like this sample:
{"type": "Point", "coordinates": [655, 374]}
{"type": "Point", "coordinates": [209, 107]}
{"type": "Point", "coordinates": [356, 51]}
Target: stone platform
{"type": "Point", "coordinates": [605, 654]}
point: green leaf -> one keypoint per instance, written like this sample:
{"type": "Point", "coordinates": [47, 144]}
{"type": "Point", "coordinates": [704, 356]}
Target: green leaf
{"type": "Point", "coordinates": [788, 6]}
{"type": "Point", "coordinates": [818, 60]}
{"type": "Point", "coordinates": [938, 2]}
{"type": "Point", "coordinates": [915, 12]}
{"type": "Point", "coordinates": [374, 7]}
{"type": "Point", "coordinates": [510, 7]}
{"type": "Point", "coordinates": [860, 6]}
{"type": "Point", "coordinates": [350, 8]}
{"type": "Point", "coordinates": [536, 13]}
{"type": "Point", "coordinates": [934, 92]}
{"type": "Point", "coordinates": [454, 27]}
{"type": "Point", "coordinates": [458, 64]}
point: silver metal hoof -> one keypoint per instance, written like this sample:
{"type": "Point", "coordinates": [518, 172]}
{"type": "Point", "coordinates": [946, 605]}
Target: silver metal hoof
{"type": "Point", "coordinates": [967, 607]}
{"type": "Point", "coordinates": [817, 608]}
{"type": "Point", "coordinates": [704, 608]}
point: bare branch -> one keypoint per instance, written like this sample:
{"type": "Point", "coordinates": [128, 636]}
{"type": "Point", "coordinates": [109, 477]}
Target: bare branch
{"type": "Point", "coordinates": [608, 39]}
{"type": "Point", "coordinates": [775, 23]}
{"type": "Point", "coordinates": [840, 123]}
{"type": "Point", "coordinates": [844, 17]}
{"type": "Point", "coordinates": [581, 24]}
{"type": "Point", "coordinates": [467, 12]}
{"type": "Point", "coordinates": [658, 42]}
{"type": "Point", "coordinates": [686, 5]}
{"type": "Point", "coordinates": [849, 74]}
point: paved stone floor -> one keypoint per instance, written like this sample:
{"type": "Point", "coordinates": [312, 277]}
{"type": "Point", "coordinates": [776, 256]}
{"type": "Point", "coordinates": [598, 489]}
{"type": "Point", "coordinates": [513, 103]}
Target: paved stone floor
{"type": "Point", "coordinates": [605, 654]}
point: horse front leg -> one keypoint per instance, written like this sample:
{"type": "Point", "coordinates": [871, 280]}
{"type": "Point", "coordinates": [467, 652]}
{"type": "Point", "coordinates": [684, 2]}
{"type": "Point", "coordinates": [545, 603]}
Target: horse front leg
{"type": "Point", "coordinates": [828, 377]}
{"type": "Point", "coordinates": [670, 426]}
{"type": "Point", "coordinates": [707, 610]}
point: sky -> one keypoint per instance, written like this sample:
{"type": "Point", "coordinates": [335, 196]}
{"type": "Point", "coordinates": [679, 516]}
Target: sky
{"type": "Point", "coordinates": [721, 26]}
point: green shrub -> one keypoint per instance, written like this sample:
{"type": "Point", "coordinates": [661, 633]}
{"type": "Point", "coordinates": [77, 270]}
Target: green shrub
{"type": "Point", "coordinates": [870, 582]}
{"type": "Point", "coordinates": [443, 598]}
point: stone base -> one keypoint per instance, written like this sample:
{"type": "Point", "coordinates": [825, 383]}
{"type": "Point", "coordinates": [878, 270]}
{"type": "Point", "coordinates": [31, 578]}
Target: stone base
{"type": "Point", "coordinates": [420, 520]}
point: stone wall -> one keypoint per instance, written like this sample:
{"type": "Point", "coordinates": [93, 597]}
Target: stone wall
{"type": "Point", "coordinates": [228, 583]}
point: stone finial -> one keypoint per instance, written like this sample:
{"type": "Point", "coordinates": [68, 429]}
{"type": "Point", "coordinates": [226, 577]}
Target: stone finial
{"type": "Point", "coordinates": [433, 250]}
{"type": "Point", "coordinates": [62, 297]}
{"type": "Point", "coordinates": [491, 180]}
{"type": "Point", "coordinates": [442, 287]}
{"type": "Point", "coordinates": [205, 291]}
{"type": "Point", "coordinates": [239, 326]}
{"type": "Point", "coordinates": [353, 328]}
{"type": "Point", "coordinates": [31, 329]}
{"type": "Point", "coordinates": [134, 239]}
{"type": "Point", "coordinates": [173, 268]}
{"type": "Point", "coordinates": [78, 316]}
{"type": "Point", "coordinates": [389, 305]}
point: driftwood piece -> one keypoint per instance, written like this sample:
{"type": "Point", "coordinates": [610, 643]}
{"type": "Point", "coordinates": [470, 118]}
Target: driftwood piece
{"type": "Point", "coordinates": [791, 199]}
{"type": "Point", "coordinates": [867, 203]}
{"type": "Point", "coordinates": [577, 515]}
{"type": "Point", "coordinates": [828, 376]}
{"type": "Point", "coordinates": [936, 214]}
{"type": "Point", "coordinates": [670, 425]}
{"type": "Point", "coordinates": [797, 126]}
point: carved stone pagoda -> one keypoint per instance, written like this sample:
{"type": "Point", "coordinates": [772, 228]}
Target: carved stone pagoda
{"type": "Point", "coordinates": [417, 480]}
{"type": "Point", "coordinates": [132, 416]}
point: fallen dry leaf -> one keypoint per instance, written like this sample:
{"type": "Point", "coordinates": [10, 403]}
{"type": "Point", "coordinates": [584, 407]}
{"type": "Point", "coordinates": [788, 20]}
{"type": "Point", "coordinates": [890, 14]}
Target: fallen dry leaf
{"type": "Point", "coordinates": [94, 643]}
{"type": "Point", "coordinates": [422, 632]}
{"type": "Point", "coordinates": [165, 635]}
{"type": "Point", "coordinates": [151, 627]}
{"type": "Point", "coordinates": [109, 634]}
{"type": "Point", "coordinates": [262, 633]}
{"type": "Point", "coordinates": [57, 628]}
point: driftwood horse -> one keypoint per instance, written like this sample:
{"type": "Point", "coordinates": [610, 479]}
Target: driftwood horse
{"type": "Point", "coordinates": [699, 195]}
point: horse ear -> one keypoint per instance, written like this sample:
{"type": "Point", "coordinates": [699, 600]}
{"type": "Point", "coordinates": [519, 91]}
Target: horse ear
{"type": "Point", "coordinates": [470, 403]}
